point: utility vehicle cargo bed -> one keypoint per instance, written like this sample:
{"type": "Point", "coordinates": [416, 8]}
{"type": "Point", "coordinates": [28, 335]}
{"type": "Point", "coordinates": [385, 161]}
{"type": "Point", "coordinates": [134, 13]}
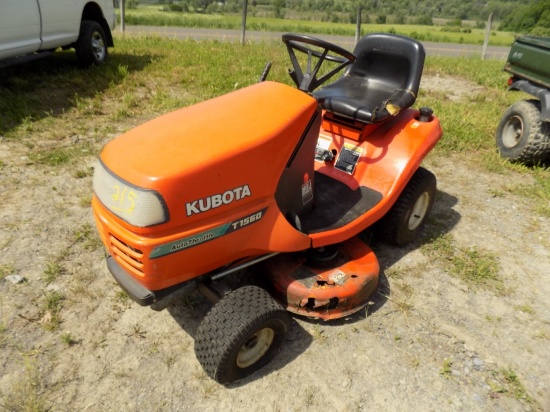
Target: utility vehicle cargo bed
{"type": "Point", "coordinates": [529, 59]}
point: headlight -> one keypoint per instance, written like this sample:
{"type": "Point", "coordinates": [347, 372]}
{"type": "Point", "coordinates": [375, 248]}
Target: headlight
{"type": "Point", "coordinates": [139, 207]}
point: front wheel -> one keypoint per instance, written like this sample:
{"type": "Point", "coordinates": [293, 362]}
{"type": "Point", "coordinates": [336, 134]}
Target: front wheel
{"type": "Point", "coordinates": [91, 46]}
{"type": "Point", "coordinates": [240, 334]}
{"type": "Point", "coordinates": [520, 135]}
{"type": "Point", "coordinates": [407, 216]}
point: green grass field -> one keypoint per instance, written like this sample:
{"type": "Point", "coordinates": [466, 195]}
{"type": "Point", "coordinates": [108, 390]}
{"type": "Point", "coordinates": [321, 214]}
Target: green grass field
{"type": "Point", "coordinates": [155, 16]}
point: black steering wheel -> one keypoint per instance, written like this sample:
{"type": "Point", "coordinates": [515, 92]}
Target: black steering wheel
{"type": "Point", "coordinates": [308, 81]}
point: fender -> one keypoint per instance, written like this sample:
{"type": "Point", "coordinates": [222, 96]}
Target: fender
{"type": "Point", "coordinates": [539, 92]}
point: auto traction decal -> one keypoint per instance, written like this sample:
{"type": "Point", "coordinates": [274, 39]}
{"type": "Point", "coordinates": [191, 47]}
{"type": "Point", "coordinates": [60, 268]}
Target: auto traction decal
{"type": "Point", "coordinates": [200, 238]}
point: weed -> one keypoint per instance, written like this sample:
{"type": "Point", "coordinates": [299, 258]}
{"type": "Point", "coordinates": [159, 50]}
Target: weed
{"type": "Point", "coordinates": [137, 332]}
{"type": "Point", "coordinates": [169, 360]}
{"type": "Point", "coordinates": [477, 268]}
{"type": "Point", "coordinates": [525, 309]}
{"type": "Point", "coordinates": [86, 200]}
{"type": "Point", "coordinates": [57, 156]}
{"type": "Point", "coordinates": [439, 245]}
{"type": "Point", "coordinates": [6, 270]}
{"type": "Point", "coordinates": [87, 236]}
{"type": "Point", "coordinates": [28, 393]}
{"type": "Point", "coordinates": [154, 347]}
{"type": "Point", "coordinates": [446, 368]}
{"type": "Point", "coordinates": [310, 395]}
{"type": "Point", "coordinates": [540, 334]}
{"type": "Point", "coordinates": [52, 305]}
{"type": "Point", "coordinates": [51, 157]}
{"type": "Point", "coordinates": [67, 339]}
{"type": "Point", "coordinates": [82, 173]}
{"type": "Point", "coordinates": [496, 193]}
{"type": "Point", "coordinates": [318, 333]}
{"type": "Point", "coordinates": [52, 272]}
{"type": "Point", "coordinates": [122, 298]}
{"type": "Point", "coordinates": [515, 386]}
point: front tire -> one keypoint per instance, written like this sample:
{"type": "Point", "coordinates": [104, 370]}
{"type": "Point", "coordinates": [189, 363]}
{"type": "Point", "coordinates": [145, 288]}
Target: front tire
{"type": "Point", "coordinates": [520, 135]}
{"type": "Point", "coordinates": [91, 46]}
{"type": "Point", "coordinates": [404, 221]}
{"type": "Point", "coordinates": [240, 334]}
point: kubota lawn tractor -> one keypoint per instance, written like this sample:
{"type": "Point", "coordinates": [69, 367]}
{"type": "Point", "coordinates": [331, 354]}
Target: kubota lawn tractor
{"type": "Point", "coordinates": [280, 178]}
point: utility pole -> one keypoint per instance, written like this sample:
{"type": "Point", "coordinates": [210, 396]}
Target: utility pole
{"type": "Point", "coordinates": [243, 29]}
{"type": "Point", "coordinates": [358, 27]}
{"type": "Point", "coordinates": [487, 35]}
{"type": "Point", "coordinates": [122, 16]}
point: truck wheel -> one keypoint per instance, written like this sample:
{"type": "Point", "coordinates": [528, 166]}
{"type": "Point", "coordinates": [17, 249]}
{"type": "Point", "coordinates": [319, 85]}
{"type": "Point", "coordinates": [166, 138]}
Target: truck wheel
{"type": "Point", "coordinates": [91, 46]}
{"type": "Point", "coordinates": [407, 216]}
{"type": "Point", "coordinates": [519, 136]}
{"type": "Point", "coordinates": [240, 334]}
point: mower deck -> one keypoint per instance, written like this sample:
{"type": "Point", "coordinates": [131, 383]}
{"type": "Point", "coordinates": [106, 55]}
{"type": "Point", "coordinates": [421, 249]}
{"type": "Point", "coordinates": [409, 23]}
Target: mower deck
{"type": "Point", "coordinates": [322, 288]}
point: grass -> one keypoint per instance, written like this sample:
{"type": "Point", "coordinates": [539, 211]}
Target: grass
{"type": "Point", "coordinates": [514, 386]}
{"type": "Point", "coordinates": [87, 236]}
{"type": "Point", "coordinates": [51, 308]}
{"type": "Point", "coordinates": [148, 76]}
{"type": "Point", "coordinates": [52, 272]}
{"type": "Point", "coordinates": [6, 269]}
{"type": "Point", "coordinates": [28, 393]}
{"type": "Point", "coordinates": [474, 266]}
{"type": "Point", "coordinates": [67, 339]}
{"type": "Point", "coordinates": [153, 16]}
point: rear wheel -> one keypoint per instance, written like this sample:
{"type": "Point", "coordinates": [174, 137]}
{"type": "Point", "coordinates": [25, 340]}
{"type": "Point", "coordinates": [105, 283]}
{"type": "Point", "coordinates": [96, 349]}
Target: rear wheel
{"type": "Point", "coordinates": [407, 216]}
{"type": "Point", "coordinates": [521, 136]}
{"type": "Point", "coordinates": [240, 334]}
{"type": "Point", "coordinates": [91, 46]}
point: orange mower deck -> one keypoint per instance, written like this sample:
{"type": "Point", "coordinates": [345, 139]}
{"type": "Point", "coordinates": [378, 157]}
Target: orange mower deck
{"type": "Point", "coordinates": [325, 290]}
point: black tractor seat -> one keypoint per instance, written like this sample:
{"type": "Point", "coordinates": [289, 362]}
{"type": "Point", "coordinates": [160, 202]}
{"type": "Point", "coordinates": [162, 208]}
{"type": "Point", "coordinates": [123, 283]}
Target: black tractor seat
{"type": "Point", "coordinates": [384, 79]}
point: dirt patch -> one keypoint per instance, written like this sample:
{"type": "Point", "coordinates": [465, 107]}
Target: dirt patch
{"type": "Point", "coordinates": [71, 341]}
{"type": "Point", "coordinates": [454, 88]}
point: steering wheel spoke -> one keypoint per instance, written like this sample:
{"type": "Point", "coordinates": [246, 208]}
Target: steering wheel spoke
{"type": "Point", "coordinates": [309, 81]}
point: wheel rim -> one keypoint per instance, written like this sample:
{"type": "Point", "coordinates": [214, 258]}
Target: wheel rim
{"type": "Point", "coordinates": [98, 46]}
{"type": "Point", "coordinates": [255, 347]}
{"type": "Point", "coordinates": [419, 211]}
{"type": "Point", "coordinates": [512, 132]}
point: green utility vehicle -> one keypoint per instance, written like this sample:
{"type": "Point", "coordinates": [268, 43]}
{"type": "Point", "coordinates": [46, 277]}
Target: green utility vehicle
{"type": "Point", "coordinates": [523, 133]}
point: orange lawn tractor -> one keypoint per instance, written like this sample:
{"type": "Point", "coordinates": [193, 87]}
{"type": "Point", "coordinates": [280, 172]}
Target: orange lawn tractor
{"type": "Point", "coordinates": [281, 178]}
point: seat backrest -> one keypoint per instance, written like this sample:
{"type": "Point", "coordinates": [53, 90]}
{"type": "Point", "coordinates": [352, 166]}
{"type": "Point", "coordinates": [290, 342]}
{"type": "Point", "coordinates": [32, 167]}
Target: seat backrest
{"type": "Point", "coordinates": [383, 80]}
{"type": "Point", "coordinates": [393, 61]}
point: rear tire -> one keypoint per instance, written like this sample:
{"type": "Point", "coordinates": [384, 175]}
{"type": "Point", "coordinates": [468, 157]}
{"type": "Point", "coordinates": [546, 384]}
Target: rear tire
{"type": "Point", "coordinates": [521, 136]}
{"type": "Point", "coordinates": [240, 334]}
{"type": "Point", "coordinates": [404, 221]}
{"type": "Point", "coordinates": [91, 46]}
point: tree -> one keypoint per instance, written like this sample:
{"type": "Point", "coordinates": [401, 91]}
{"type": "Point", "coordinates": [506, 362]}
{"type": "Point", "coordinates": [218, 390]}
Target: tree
{"type": "Point", "coordinates": [278, 8]}
{"type": "Point", "coordinates": [527, 19]}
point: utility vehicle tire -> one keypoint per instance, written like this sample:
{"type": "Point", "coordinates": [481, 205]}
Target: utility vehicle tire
{"type": "Point", "coordinates": [407, 216]}
{"type": "Point", "coordinates": [240, 334]}
{"type": "Point", "coordinates": [91, 46]}
{"type": "Point", "coordinates": [521, 136]}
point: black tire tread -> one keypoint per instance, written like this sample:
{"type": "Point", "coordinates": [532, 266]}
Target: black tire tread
{"type": "Point", "coordinates": [535, 146]}
{"type": "Point", "coordinates": [228, 322]}
{"type": "Point", "coordinates": [83, 47]}
{"type": "Point", "coordinates": [390, 228]}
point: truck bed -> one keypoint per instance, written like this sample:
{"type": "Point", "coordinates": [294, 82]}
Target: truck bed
{"type": "Point", "coordinates": [529, 59]}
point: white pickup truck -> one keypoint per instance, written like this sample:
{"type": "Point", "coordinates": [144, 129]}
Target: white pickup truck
{"type": "Point", "coordinates": [32, 28]}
